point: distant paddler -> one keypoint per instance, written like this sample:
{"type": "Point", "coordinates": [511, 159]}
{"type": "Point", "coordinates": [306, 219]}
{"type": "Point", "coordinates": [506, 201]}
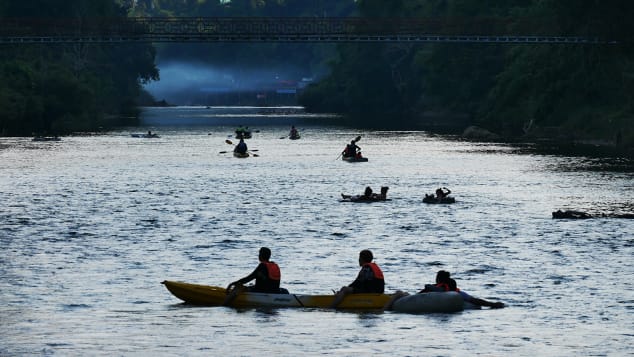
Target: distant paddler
{"type": "Point", "coordinates": [352, 149]}
{"type": "Point", "coordinates": [241, 148]}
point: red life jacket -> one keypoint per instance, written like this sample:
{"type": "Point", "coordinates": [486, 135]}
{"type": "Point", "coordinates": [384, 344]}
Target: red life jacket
{"type": "Point", "coordinates": [274, 270]}
{"type": "Point", "coordinates": [443, 286]}
{"type": "Point", "coordinates": [375, 269]}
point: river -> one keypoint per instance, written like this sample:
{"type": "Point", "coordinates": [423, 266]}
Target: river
{"type": "Point", "coordinates": [91, 225]}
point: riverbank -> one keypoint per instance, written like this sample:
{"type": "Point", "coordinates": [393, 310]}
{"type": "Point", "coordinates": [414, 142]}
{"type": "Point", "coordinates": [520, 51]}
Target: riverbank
{"type": "Point", "coordinates": [552, 140]}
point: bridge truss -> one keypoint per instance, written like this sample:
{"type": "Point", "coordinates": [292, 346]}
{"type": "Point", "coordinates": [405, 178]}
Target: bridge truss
{"type": "Point", "coordinates": [284, 29]}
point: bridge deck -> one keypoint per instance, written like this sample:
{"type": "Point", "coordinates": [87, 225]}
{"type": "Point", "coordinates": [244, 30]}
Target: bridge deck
{"type": "Point", "coordinates": [286, 29]}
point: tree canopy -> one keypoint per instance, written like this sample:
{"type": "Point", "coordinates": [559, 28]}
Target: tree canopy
{"type": "Point", "coordinates": [582, 91]}
{"type": "Point", "coordinates": [62, 88]}
{"type": "Point", "coordinates": [577, 90]}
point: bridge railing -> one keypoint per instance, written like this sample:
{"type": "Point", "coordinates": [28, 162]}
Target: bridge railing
{"type": "Point", "coordinates": [159, 29]}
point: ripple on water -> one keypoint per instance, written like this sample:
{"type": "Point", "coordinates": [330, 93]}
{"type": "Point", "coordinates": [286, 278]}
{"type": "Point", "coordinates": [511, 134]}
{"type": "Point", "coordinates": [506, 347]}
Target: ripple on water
{"type": "Point", "coordinates": [88, 231]}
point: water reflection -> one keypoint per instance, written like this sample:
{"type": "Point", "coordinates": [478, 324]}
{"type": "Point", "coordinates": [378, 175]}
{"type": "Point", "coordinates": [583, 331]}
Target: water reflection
{"type": "Point", "coordinates": [91, 225]}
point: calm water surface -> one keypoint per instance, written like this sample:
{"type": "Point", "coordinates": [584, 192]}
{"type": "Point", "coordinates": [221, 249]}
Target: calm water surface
{"type": "Point", "coordinates": [91, 225]}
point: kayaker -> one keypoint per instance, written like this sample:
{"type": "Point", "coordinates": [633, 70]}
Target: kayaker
{"type": "Point", "coordinates": [241, 148]}
{"type": "Point", "coordinates": [293, 133]}
{"type": "Point", "coordinates": [352, 150]}
{"type": "Point", "coordinates": [267, 277]}
{"type": "Point", "coordinates": [241, 132]}
{"type": "Point", "coordinates": [369, 280]}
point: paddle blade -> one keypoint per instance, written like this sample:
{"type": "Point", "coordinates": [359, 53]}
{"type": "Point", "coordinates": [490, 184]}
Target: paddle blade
{"type": "Point", "coordinates": [357, 138]}
{"type": "Point", "coordinates": [223, 152]}
{"type": "Point", "coordinates": [254, 154]}
{"type": "Point", "coordinates": [229, 142]}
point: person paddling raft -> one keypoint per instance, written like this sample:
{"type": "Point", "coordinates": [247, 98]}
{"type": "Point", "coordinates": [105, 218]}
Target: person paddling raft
{"type": "Point", "coordinates": [369, 280]}
{"type": "Point", "coordinates": [267, 277]}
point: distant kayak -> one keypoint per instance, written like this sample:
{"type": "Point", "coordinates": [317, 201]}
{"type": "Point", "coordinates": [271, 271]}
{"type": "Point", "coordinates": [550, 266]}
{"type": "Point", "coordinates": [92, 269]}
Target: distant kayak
{"type": "Point", "coordinates": [243, 135]}
{"type": "Point", "coordinates": [432, 199]}
{"type": "Point", "coordinates": [354, 159]}
{"type": "Point", "coordinates": [294, 137]}
{"type": "Point", "coordinates": [47, 138]}
{"type": "Point", "coordinates": [240, 155]}
{"type": "Point", "coordinates": [150, 136]}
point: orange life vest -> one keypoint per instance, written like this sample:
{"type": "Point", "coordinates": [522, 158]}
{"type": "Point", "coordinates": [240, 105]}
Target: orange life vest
{"type": "Point", "coordinates": [375, 269]}
{"type": "Point", "coordinates": [274, 270]}
{"type": "Point", "coordinates": [443, 286]}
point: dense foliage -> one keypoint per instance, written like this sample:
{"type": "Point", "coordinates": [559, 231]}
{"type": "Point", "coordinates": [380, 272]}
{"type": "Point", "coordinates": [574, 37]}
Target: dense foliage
{"type": "Point", "coordinates": [577, 91]}
{"type": "Point", "coordinates": [57, 89]}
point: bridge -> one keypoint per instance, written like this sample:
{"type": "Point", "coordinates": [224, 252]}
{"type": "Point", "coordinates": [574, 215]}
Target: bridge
{"type": "Point", "coordinates": [281, 29]}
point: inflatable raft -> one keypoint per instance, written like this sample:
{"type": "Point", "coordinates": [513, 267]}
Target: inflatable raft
{"type": "Point", "coordinates": [354, 159]}
{"type": "Point", "coordinates": [442, 302]}
{"type": "Point", "coordinates": [432, 199]}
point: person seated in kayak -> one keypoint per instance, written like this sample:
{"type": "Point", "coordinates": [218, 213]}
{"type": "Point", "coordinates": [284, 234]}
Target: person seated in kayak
{"type": "Point", "coordinates": [241, 148]}
{"type": "Point", "coordinates": [293, 133]}
{"type": "Point", "coordinates": [267, 277]}
{"type": "Point", "coordinates": [241, 132]}
{"type": "Point", "coordinates": [369, 280]}
{"type": "Point", "coordinates": [352, 150]}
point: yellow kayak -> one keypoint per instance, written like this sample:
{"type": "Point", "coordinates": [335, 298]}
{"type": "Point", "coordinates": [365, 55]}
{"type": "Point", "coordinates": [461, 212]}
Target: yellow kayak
{"type": "Point", "coordinates": [214, 296]}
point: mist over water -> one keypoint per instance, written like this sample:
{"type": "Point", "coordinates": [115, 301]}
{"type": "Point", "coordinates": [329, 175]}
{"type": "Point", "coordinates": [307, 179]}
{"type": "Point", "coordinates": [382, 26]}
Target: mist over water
{"type": "Point", "coordinates": [188, 83]}
{"type": "Point", "coordinates": [91, 225]}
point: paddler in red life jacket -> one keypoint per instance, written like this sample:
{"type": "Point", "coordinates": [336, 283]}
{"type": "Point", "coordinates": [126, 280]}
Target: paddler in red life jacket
{"type": "Point", "coordinates": [369, 280]}
{"type": "Point", "coordinates": [267, 277]}
{"type": "Point", "coordinates": [443, 278]}
{"type": "Point", "coordinates": [352, 150]}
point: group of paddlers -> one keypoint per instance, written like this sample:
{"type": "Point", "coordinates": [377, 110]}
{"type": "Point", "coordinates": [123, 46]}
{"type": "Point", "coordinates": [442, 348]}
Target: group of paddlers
{"type": "Point", "coordinates": [267, 276]}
